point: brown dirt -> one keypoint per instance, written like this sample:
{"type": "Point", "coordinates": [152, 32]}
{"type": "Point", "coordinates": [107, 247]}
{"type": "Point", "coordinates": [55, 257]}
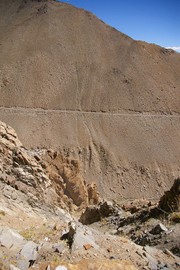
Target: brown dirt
{"type": "Point", "coordinates": [105, 98]}
{"type": "Point", "coordinates": [35, 184]}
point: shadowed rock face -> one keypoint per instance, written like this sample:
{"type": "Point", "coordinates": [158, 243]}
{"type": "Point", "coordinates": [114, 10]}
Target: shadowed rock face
{"type": "Point", "coordinates": [78, 85]}
{"type": "Point", "coordinates": [170, 201]}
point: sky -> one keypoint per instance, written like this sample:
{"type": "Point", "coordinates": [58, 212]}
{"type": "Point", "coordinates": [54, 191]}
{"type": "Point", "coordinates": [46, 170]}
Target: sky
{"type": "Point", "coordinates": [153, 21]}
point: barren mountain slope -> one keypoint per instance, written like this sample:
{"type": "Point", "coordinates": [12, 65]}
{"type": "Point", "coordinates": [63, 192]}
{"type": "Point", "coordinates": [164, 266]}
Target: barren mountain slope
{"type": "Point", "coordinates": [69, 81]}
{"type": "Point", "coordinates": [67, 59]}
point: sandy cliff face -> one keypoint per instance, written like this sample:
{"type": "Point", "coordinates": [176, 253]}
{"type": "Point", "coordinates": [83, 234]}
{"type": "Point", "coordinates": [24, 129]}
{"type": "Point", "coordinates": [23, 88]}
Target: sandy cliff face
{"type": "Point", "coordinates": [71, 82]}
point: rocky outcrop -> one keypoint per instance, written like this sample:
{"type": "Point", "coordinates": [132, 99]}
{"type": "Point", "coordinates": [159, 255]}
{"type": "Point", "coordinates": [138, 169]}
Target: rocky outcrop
{"type": "Point", "coordinates": [93, 194]}
{"type": "Point", "coordinates": [170, 201]}
{"type": "Point", "coordinates": [45, 175]}
{"type": "Point", "coordinates": [66, 175]}
{"type": "Point", "coordinates": [94, 213]}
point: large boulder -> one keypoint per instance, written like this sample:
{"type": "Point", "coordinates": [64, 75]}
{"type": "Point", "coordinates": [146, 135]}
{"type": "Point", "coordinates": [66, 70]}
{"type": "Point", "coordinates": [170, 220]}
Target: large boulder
{"type": "Point", "coordinates": [11, 239]}
{"type": "Point", "coordinates": [170, 201]}
{"type": "Point", "coordinates": [94, 213]}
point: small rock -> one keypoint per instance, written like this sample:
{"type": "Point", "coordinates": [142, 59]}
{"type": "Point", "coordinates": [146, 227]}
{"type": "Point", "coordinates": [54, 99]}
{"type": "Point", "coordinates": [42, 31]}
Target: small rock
{"type": "Point", "coordinates": [107, 209]}
{"type": "Point", "coordinates": [61, 267]}
{"type": "Point", "coordinates": [152, 262]}
{"type": "Point", "coordinates": [58, 247]}
{"type": "Point", "coordinates": [83, 236]}
{"type": "Point", "coordinates": [113, 232]}
{"type": "Point", "coordinates": [159, 228]}
{"type": "Point", "coordinates": [29, 251]}
{"type": "Point", "coordinates": [168, 252]}
{"type": "Point", "coordinates": [12, 267]}
{"type": "Point", "coordinates": [11, 239]}
{"type": "Point", "coordinates": [87, 246]}
{"type": "Point", "coordinates": [14, 195]}
{"type": "Point", "coordinates": [28, 255]}
{"type": "Point", "coordinates": [3, 176]}
{"type": "Point", "coordinates": [150, 250]}
{"type": "Point", "coordinates": [23, 264]}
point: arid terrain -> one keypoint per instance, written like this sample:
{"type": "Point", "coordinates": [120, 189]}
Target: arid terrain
{"type": "Point", "coordinates": [70, 82]}
{"type": "Point", "coordinates": [51, 219]}
{"type": "Point", "coordinates": [98, 121]}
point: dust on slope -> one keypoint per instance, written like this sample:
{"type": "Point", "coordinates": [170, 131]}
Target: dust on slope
{"type": "Point", "coordinates": [54, 56]}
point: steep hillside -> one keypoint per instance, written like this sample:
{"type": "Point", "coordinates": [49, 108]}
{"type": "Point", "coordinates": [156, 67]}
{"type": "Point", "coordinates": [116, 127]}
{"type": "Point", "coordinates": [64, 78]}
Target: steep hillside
{"type": "Point", "coordinates": [51, 220]}
{"type": "Point", "coordinates": [71, 82]}
{"type": "Point", "coordinates": [54, 56]}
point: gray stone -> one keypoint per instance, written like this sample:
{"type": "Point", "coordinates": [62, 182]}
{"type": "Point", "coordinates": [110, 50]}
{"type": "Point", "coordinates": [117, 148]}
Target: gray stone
{"type": "Point", "coordinates": [23, 264]}
{"type": "Point", "coordinates": [3, 176]}
{"type": "Point", "coordinates": [47, 246]}
{"type": "Point", "coordinates": [63, 215]}
{"type": "Point", "coordinates": [60, 247]}
{"type": "Point", "coordinates": [61, 267]}
{"type": "Point", "coordinates": [83, 236]}
{"type": "Point", "coordinates": [29, 251]}
{"type": "Point", "coordinates": [14, 195]}
{"type": "Point", "coordinates": [152, 262]}
{"type": "Point", "coordinates": [12, 267]}
{"type": "Point", "coordinates": [11, 239]}
{"type": "Point", "coordinates": [150, 250]}
{"type": "Point", "coordinates": [113, 232]}
{"type": "Point", "coordinates": [27, 255]}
